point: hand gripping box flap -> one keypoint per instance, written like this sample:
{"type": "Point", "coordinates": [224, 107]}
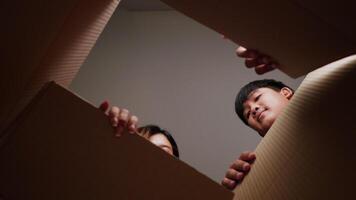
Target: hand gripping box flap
{"type": "Point", "coordinates": [61, 147]}
{"type": "Point", "coordinates": [301, 35]}
{"type": "Point", "coordinates": [309, 152]}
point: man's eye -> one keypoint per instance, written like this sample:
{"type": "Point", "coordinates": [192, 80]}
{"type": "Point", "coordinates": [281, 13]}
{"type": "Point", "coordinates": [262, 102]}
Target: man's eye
{"type": "Point", "coordinates": [258, 97]}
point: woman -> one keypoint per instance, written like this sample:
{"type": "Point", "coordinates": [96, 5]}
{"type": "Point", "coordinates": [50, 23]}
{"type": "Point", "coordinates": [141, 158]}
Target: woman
{"type": "Point", "coordinates": [121, 119]}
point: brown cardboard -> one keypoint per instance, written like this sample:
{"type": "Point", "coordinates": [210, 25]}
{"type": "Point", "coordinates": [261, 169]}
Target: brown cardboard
{"type": "Point", "coordinates": [309, 152]}
{"type": "Point", "coordinates": [302, 35]}
{"type": "Point", "coordinates": [42, 41]}
{"type": "Point", "coordinates": [61, 147]}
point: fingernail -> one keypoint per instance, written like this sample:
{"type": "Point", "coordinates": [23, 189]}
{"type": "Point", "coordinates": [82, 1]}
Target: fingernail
{"type": "Point", "coordinates": [252, 156]}
{"type": "Point", "coordinates": [261, 69]}
{"type": "Point", "coordinates": [246, 167]}
{"type": "Point", "coordinates": [104, 106]}
{"type": "Point", "coordinates": [239, 176]}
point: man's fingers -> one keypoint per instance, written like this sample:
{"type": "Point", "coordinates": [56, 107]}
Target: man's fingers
{"type": "Point", "coordinates": [251, 156]}
{"type": "Point", "coordinates": [132, 126]}
{"type": "Point", "coordinates": [254, 59]}
{"type": "Point", "coordinates": [266, 59]}
{"type": "Point", "coordinates": [240, 165]}
{"type": "Point", "coordinates": [244, 155]}
{"type": "Point", "coordinates": [228, 183]}
{"type": "Point", "coordinates": [252, 62]}
{"type": "Point", "coordinates": [234, 175]}
{"type": "Point", "coordinates": [113, 115]}
{"type": "Point", "coordinates": [241, 51]}
{"type": "Point", "coordinates": [263, 68]}
{"type": "Point", "coordinates": [248, 156]}
{"type": "Point", "coordinates": [246, 53]}
{"type": "Point", "coordinates": [238, 169]}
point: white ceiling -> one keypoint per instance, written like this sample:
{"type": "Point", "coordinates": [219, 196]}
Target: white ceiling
{"type": "Point", "coordinates": [169, 70]}
{"type": "Point", "coordinates": [143, 5]}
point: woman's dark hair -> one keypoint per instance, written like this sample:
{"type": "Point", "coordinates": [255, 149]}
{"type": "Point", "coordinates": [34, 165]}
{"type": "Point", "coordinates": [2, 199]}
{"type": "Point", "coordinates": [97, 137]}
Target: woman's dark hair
{"type": "Point", "coordinates": [245, 91]}
{"type": "Point", "coordinates": [154, 129]}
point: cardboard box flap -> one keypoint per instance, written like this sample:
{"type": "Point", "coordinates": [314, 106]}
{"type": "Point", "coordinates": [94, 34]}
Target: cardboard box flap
{"type": "Point", "coordinates": [309, 152]}
{"type": "Point", "coordinates": [339, 14]}
{"type": "Point", "coordinates": [63, 148]}
{"type": "Point", "coordinates": [293, 34]}
{"type": "Point", "coordinates": [43, 41]}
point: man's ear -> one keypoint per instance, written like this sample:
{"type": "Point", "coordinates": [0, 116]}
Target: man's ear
{"type": "Point", "coordinates": [286, 92]}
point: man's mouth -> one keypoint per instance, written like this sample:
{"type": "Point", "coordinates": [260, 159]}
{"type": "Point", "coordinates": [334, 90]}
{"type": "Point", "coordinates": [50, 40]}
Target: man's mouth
{"type": "Point", "coordinates": [260, 116]}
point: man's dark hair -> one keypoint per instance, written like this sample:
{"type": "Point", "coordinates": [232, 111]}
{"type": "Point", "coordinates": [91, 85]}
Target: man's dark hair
{"type": "Point", "coordinates": [250, 87]}
{"type": "Point", "coordinates": [154, 129]}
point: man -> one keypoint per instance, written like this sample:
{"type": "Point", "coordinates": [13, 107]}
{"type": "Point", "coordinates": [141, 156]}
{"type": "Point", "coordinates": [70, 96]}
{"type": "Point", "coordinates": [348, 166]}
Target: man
{"type": "Point", "coordinates": [258, 104]}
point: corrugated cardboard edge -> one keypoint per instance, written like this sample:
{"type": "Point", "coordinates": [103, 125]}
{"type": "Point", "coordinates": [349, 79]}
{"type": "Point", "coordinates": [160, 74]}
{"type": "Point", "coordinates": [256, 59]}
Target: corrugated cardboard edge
{"type": "Point", "coordinates": [290, 32]}
{"type": "Point", "coordinates": [309, 152]}
{"type": "Point", "coordinates": [46, 103]}
{"type": "Point", "coordinates": [21, 115]}
{"type": "Point", "coordinates": [64, 56]}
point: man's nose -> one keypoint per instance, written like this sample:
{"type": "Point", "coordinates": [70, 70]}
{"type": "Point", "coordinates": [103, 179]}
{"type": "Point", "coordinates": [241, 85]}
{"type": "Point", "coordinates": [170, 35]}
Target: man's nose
{"type": "Point", "coordinates": [254, 110]}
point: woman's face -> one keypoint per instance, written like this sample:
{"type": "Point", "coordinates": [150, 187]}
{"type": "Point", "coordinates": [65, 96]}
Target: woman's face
{"type": "Point", "coordinates": [162, 142]}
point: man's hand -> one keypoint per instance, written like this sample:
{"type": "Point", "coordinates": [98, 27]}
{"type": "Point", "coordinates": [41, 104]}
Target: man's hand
{"type": "Point", "coordinates": [254, 59]}
{"type": "Point", "coordinates": [238, 169]}
{"type": "Point", "coordinates": [120, 118]}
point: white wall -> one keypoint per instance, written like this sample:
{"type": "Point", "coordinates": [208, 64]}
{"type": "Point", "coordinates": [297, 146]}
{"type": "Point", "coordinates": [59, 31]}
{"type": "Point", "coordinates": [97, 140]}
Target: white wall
{"type": "Point", "coordinates": [172, 71]}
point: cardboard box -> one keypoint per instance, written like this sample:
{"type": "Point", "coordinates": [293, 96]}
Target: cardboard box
{"type": "Point", "coordinates": [302, 35]}
{"type": "Point", "coordinates": [43, 41]}
{"type": "Point", "coordinates": [309, 152]}
{"type": "Point", "coordinates": [61, 147]}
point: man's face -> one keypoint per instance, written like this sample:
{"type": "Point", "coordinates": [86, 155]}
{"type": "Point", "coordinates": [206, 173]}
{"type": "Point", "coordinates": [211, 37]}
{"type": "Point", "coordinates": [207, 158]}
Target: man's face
{"type": "Point", "coordinates": [263, 106]}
